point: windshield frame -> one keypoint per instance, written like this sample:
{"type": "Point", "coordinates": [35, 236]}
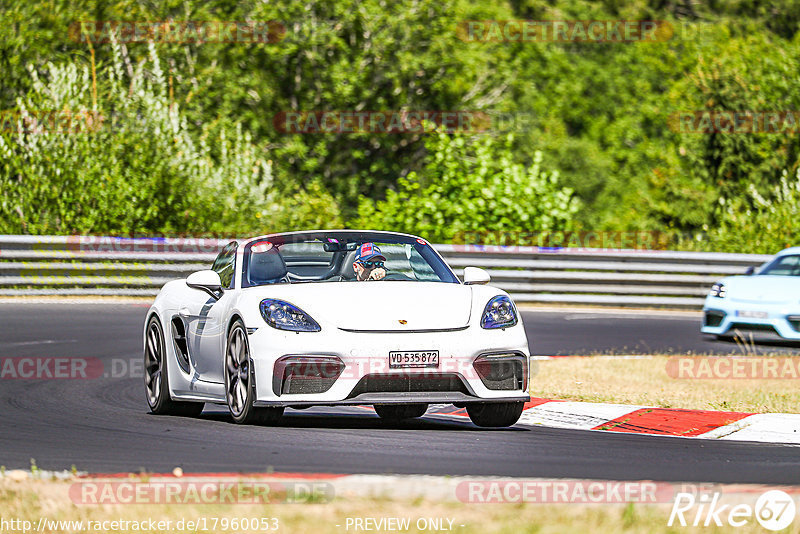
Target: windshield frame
{"type": "Point", "coordinates": [423, 247]}
{"type": "Point", "coordinates": [764, 271]}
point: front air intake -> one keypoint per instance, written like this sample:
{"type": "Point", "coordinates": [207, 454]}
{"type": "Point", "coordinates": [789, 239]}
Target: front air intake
{"type": "Point", "coordinates": [410, 382]}
{"type": "Point", "coordinates": [294, 375]}
{"type": "Point", "coordinates": [501, 372]}
{"type": "Point", "coordinates": [713, 318]}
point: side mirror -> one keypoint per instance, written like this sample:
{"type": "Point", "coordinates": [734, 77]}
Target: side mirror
{"type": "Point", "coordinates": [750, 270]}
{"type": "Point", "coordinates": [475, 276]}
{"type": "Point", "coordinates": [207, 281]}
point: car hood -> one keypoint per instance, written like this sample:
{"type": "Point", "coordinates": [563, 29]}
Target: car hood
{"type": "Point", "coordinates": [379, 306]}
{"type": "Point", "coordinates": [764, 289]}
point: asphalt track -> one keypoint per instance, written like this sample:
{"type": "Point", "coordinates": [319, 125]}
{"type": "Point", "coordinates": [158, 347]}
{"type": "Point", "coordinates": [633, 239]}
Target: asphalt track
{"type": "Point", "coordinates": [103, 425]}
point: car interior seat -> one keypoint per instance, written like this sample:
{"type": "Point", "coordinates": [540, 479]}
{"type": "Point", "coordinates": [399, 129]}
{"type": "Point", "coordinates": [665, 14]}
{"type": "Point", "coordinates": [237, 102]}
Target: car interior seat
{"type": "Point", "coordinates": [347, 271]}
{"type": "Point", "coordinates": [266, 268]}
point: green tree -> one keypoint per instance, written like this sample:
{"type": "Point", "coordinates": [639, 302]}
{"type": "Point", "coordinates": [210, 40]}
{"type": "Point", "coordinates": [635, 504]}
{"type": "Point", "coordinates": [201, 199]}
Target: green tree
{"type": "Point", "coordinates": [756, 223]}
{"type": "Point", "coordinates": [126, 162]}
{"type": "Point", "coordinates": [472, 185]}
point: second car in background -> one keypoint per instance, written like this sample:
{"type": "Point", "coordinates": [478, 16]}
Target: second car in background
{"type": "Point", "coordinates": [766, 301]}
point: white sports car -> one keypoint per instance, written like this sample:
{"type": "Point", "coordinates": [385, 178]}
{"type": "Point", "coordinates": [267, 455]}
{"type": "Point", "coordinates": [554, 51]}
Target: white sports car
{"type": "Point", "coordinates": [765, 301]}
{"type": "Point", "coordinates": [335, 318]}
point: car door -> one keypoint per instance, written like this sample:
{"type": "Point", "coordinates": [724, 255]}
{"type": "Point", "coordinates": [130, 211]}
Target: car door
{"type": "Point", "coordinates": [206, 317]}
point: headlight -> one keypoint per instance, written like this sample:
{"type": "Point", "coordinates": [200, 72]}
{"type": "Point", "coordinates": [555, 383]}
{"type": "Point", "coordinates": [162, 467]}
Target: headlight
{"type": "Point", "coordinates": [499, 313]}
{"type": "Point", "coordinates": [717, 290]}
{"type": "Point", "coordinates": [284, 316]}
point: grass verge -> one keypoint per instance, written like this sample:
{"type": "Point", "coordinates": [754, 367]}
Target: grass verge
{"type": "Point", "coordinates": [32, 499]}
{"type": "Point", "coordinates": [647, 381]}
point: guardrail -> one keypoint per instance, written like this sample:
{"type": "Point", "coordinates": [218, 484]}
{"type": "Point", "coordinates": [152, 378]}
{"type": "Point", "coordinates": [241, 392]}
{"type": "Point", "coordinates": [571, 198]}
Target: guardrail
{"type": "Point", "coordinates": [84, 265]}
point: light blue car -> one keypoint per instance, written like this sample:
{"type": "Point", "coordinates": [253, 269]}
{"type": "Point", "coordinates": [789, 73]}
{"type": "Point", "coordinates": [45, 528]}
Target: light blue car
{"type": "Point", "coordinates": [765, 301]}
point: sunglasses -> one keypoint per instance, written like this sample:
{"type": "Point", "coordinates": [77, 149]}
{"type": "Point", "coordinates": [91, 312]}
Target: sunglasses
{"type": "Point", "coordinates": [371, 264]}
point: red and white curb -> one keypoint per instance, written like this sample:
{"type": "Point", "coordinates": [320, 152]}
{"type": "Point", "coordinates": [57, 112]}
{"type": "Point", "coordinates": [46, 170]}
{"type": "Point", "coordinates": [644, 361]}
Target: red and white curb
{"type": "Point", "coordinates": [626, 418]}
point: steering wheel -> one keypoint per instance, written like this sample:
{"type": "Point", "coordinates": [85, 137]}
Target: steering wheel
{"type": "Point", "coordinates": [396, 276]}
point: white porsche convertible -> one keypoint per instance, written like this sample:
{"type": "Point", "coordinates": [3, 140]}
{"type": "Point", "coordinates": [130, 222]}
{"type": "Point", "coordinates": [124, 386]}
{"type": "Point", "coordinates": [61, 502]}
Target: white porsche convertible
{"type": "Point", "coordinates": [335, 318]}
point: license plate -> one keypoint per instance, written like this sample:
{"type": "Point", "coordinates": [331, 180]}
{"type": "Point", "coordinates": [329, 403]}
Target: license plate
{"type": "Point", "coordinates": [414, 358]}
{"type": "Point", "coordinates": [752, 314]}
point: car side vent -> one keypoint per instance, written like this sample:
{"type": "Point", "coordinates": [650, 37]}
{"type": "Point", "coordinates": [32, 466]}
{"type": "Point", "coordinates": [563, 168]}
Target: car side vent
{"type": "Point", "coordinates": [179, 339]}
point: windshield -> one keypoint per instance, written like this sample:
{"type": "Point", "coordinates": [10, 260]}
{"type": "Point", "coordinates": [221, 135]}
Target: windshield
{"type": "Point", "coordinates": [329, 257]}
{"type": "Point", "coordinates": [788, 265]}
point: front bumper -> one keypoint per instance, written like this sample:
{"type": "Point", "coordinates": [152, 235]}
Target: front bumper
{"type": "Point", "coordinates": [364, 376]}
{"type": "Point", "coordinates": [724, 316]}
{"type": "Point", "coordinates": [392, 398]}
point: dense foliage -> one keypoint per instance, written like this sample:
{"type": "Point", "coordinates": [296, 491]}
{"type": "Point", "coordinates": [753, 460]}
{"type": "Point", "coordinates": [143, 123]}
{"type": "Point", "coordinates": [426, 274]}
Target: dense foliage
{"type": "Point", "coordinates": [762, 223]}
{"type": "Point", "coordinates": [189, 142]}
{"type": "Point", "coordinates": [466, 188]}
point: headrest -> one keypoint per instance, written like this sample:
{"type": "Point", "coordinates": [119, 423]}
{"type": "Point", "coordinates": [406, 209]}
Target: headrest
{"type": "Point", "coordinates": [347, 266]}
{"type": "Point", "coordinates": [266, 268]}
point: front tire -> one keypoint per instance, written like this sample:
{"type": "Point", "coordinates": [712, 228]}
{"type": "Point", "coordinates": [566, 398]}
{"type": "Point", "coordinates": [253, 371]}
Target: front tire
{"type": "Point", "coordinates": [156, 376]}
{"type": "Point", "coordinates": [239, 384]}
{"type": "Point", "coordinates": [398, 412]}
{"type": "Point", "coordinates": [497, 414]}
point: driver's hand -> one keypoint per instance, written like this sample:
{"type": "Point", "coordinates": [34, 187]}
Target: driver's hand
{"type": "Point", "coordinates": [377, 274]}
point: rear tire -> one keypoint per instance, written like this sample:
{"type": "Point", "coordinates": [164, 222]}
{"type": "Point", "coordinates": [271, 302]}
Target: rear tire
{"type": "Point", "coordinates": [239, 384]}
{"type": "Point", "coordinates": [398, 412]}
{"type": "Point", "coordinates": [156, 376]}
{"type": "Point", "coordinates": [496, 414]}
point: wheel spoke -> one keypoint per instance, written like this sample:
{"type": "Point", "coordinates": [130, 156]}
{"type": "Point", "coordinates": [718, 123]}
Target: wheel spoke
{"type": "Point", "coordinates": [236, 346]}
{"type": "Point", "coordinates": [151, 359]}
{"type": "Point", "coordinates": [241, 394]}
{"type": "Point", "coordinates": [152, 364]}
{"type": "Point", "coordinates": [153, 343]}
{"type": "Point", "coordinates": [242, 350]}
{"type": "Point", "coordinates": [232, 383]}
{"type": "Point", "coordinates": [232, 400]}
{"type": "Point", "coordinates": [237, 372]}
{"type": "Point", "coordinates": [154, 376]}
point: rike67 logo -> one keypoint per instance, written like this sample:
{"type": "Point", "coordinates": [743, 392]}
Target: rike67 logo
{"type": "Point", "coordinates": [774, 510]}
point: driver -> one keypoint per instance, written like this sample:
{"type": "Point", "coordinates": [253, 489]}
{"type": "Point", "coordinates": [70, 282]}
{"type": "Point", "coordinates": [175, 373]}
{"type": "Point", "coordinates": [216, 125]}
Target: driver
{"type": "Point", "coordinates": [369, 263]}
